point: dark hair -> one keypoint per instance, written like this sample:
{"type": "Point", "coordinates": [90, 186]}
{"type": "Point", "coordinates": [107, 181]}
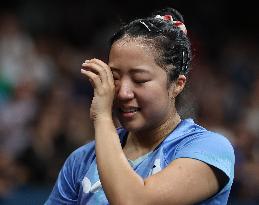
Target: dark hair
{"type": "Point", "coordinates": [170, 42]}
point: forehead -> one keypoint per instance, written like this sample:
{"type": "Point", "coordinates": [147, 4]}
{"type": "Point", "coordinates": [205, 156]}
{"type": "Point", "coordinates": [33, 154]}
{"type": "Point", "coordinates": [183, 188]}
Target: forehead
{"type": "Point", "coordinates": [138, 42]}
{"type": "Point", "coordinates": [132, 52]}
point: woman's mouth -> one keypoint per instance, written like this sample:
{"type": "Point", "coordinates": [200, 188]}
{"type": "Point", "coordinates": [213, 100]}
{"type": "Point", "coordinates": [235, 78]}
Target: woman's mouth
{"type": "Point", "coordinates": [128, 112]}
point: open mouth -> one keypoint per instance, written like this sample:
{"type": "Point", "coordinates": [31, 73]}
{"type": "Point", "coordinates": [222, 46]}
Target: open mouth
{"type": "Point", "coordinates": [128, 110]}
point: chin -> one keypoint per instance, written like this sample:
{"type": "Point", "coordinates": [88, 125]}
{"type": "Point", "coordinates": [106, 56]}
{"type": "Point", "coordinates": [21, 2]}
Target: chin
{"type": "Point", "coordinates": [131, 126]}
{"type": "Point", "coordinates": [134, 126]}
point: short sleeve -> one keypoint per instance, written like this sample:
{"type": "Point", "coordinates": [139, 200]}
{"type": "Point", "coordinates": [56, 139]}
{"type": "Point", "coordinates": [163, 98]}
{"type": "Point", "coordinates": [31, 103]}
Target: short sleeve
{"type": "Point", "coordinates": [66, 188]}
{"type": "Point", "coordinates": [211, 148]}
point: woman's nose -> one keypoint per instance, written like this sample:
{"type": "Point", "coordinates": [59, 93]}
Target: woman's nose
{"type": "Point", "coordinates": [124, 91]}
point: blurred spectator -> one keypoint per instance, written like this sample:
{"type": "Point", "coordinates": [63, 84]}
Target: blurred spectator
{"type": "Point", "coordinates": [251, 111]}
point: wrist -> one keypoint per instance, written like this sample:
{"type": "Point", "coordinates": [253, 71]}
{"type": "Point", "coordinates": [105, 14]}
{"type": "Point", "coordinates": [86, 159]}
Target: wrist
{"type": "Point", "coordinates": [103, 125]}
{"type": "Point", "coordinates": [104, 118]}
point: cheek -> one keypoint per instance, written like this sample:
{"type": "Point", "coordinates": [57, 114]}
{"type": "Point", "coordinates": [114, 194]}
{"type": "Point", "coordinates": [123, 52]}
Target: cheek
{"type": "Point", "coordinates": [156, 111]}
{"type": "Point", "coordinates": [154, 100]}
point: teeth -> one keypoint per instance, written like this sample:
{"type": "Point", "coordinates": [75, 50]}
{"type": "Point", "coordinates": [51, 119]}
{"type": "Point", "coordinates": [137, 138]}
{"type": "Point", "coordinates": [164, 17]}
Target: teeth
{"type": "Point", "coordinates": [130, 110]}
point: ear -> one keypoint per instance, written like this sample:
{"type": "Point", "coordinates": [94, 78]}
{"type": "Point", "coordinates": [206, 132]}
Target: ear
{"type": "Point", "coordinates": [177, 86]}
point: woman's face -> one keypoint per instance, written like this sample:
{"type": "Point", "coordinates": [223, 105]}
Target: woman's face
{"type": "Point", "coordinates": [142, 99]}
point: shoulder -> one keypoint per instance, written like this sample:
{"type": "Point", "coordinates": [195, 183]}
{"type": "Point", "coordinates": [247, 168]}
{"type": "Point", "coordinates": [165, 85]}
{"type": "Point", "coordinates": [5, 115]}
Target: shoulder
{"type": "Point", "coordinates": [79, 160]}
{"type": "Point", "coordinates": [197, 139]}
{"type": "Point", "coordinates": [83, 151]}
{"type": "Point", "coordinates": [188, 134]}
{"type": "Point", "coordinates": [191, 140]}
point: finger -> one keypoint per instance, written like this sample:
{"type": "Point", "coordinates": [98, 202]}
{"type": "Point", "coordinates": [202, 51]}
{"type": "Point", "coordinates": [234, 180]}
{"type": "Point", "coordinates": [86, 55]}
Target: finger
{"type": "Point", "coordinates": [93, 78]}
{"type": "Point", "coordinates": [107, 70]}
{"type": "Point", "coordinates": [97, 69]}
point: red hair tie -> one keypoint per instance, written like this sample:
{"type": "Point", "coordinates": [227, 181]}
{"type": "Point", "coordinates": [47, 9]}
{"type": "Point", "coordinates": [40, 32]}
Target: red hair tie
{"type": "Point", "coordinates": [178, 24]}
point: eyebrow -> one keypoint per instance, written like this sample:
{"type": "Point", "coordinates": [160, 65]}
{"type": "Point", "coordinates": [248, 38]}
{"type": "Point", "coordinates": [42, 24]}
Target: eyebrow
{"type": "Point", "coordinates": [132, 70]}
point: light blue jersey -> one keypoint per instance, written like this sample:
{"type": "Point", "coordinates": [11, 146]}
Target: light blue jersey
{"type": "Point", "coordinates": [78, 181]}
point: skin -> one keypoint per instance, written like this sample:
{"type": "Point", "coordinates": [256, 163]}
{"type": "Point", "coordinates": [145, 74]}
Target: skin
{"type": "Point", "coordinates": [132, 79]}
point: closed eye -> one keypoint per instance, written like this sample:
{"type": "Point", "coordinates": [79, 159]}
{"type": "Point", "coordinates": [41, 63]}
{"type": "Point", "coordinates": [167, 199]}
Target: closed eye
{"type": "Point", "coordinates": [115, 75]}
{"type": "Point", "coordinates": [140, 81]}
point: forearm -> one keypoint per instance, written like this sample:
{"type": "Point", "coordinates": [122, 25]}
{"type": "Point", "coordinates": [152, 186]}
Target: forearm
{"type": "Point", "coordinates": [114, 170]}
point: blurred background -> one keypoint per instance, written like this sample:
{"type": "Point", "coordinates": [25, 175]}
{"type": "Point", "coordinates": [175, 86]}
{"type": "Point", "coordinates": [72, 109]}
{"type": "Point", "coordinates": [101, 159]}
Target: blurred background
{"type": "Point", "coordinates": [44, 101]}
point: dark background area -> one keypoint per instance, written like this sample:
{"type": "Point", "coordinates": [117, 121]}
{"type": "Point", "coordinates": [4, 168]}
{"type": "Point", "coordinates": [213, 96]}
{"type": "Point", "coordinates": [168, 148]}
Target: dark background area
{"type": "Point", "coordinates": [78, 22]}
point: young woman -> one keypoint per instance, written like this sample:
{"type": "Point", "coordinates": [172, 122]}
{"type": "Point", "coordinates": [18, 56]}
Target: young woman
{"type": "Point", "coordinates": [155, 157]}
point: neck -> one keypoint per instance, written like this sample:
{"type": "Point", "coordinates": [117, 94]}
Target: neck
{"type": "Point", "coordinates": [147, 140]}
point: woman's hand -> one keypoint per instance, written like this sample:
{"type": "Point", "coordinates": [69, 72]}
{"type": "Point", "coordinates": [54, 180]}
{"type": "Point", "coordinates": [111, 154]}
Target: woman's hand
{"type": "Point", "coordinates": [101, 78]}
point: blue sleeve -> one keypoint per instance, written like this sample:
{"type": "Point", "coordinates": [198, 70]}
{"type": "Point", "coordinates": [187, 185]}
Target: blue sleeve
{"type": "Point", "coordinates": [211, 148]}
{"type": "Point", "coordinates": [66, 188]}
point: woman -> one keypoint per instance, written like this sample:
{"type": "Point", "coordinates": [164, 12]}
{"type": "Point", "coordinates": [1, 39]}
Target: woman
{"type": "Point", "coordinates": [155, 157]}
